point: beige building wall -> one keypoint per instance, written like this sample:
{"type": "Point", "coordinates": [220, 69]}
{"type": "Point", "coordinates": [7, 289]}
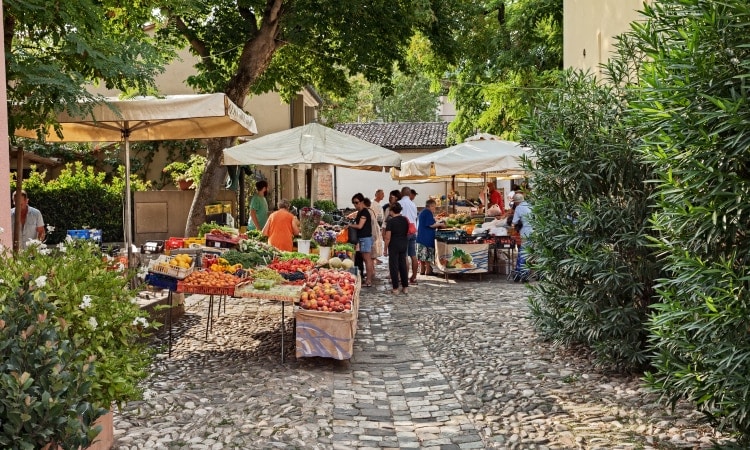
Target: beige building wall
{"type": "Point", "coordinates": [589, 28]}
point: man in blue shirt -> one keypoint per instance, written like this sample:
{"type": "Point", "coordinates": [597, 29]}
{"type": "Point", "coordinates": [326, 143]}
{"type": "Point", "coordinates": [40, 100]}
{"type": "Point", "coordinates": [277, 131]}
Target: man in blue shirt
{"type": "Point", "coordinates": [426, 237]}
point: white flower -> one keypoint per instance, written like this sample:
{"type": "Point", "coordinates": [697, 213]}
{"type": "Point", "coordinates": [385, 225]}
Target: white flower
{"type": "Point", "coordinates": [50, 228]}
{"type": "Point", "coordinates": [68, 238]}
{"type": "Point", "coordinates": [33, 243]}
{"type": "Point", "coordinates": [41, 281]}
{"type": "Point", "coordinates": [133, 300]}
{"type": "Point", "coordinates": [121, 267]}
{"type": "Point", "coordinates": [2, 230]}
{"type": "Point", "coordinates": [142, 272]}
{"type": "Point", "coordinates": [140, 321]}
{"type": "Point", "coordinates": [93, 323]}
{"type": "Point", "coordinates": [61, 246]}
{"type": "Point", "coordinates": [44, 251]}
{"type": "Point", "coordinates": [2, 281]}
{"type": "Point", "coordinates": [86, 302]}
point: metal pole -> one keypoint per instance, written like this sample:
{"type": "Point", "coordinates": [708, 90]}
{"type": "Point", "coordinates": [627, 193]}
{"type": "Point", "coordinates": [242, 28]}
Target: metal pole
{"type": "Point", "coordinates": [128, 207]}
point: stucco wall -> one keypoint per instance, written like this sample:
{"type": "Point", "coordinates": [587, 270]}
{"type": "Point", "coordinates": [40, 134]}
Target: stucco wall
{"type": "Point", "coordinates": [589, 28]}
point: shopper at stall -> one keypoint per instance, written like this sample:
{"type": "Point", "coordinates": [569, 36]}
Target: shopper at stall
{"type": "Point", "coordinates": [363, 223]}
{"type": "Point", "coordinates": [32, 223]}
{"type": "Point", "coordinates": [409, 210]}
{"type": "Point", "coordinates": [426, 237]}
{"type": "Point", "coordinates": [396, 245]}
{"type": "Point", "coordinates": [281, 227]}
{"type": "Point", "coordinates": [377, 237]}
{"type": "Point", "coordinates": [523, 225]}
{"type": "Point", "coordinates": [495, 198]}
{"type": "Point", "coordinates": [258, 207]}
{"type": "Point", "coordinates": [377, 206]}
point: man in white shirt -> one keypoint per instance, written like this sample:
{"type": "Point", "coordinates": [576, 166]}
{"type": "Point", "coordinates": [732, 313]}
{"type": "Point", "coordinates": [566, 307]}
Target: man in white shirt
{"type": "Point", "coordinates": [378, 207]}
{"type": "Point", "coordinates": [32, 223]}
{"type": "Point", "coordinates": [409, 210]}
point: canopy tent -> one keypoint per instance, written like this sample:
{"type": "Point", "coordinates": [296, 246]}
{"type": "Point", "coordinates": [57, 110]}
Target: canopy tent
{"type": "Point", "coordinates": [172, 117]}
{"type": "Point", "coordinates": [480, 156]}
{"type": "Point", "coordinates": [477, 159]}
{"type": "Point", "coordinates": [312, 144]}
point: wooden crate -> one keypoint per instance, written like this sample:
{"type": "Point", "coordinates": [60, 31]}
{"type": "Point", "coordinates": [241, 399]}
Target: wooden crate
{"type": "Point", "coordinates": [327, 334]}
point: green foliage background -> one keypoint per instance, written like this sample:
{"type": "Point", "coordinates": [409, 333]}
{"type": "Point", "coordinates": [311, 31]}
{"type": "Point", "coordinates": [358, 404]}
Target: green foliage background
{"type": "Point", "coordinates": [80, 197]}
{"type": "Point", "coordinates": [694, 112]}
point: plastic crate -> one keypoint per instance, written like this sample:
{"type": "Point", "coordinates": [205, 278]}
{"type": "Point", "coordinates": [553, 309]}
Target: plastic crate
{"type": "Point", "coordinates": [79, 234]}
{"type": "Point", "coordinates": [188, 242]}
{"type": "Point", "coordinates": [161, 266]}
{"type": "Point", "coordinates": [161, 281]}
{"type": "Point", "coordinates": [213, 209]}
{"type": "Point", "coordinates": [173, 243]}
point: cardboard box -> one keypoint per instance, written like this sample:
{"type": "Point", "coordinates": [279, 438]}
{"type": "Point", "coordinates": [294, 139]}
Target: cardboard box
{"type": "Point", "coordinates": [327, 334]}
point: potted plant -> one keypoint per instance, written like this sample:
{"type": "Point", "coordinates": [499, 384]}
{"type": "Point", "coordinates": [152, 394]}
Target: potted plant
{"type": "Point", "coordinates": [325, 239]}
{"type": "Point", "coordinates": [93, 353]}
{"type": "Point", "coordinates": [186, 175]}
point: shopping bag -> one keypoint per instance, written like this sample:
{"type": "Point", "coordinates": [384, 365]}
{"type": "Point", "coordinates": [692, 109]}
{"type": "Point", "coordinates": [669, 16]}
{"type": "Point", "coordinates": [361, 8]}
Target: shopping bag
{"type": "Point", "coordinates": [412, 227]}
{"type": "Point", "coordinates": [343, 236]}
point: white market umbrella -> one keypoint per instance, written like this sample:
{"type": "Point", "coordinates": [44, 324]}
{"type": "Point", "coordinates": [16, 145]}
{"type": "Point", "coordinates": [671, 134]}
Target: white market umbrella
{"type": "Point", "coordinates": [480, 156]}
{"type": "Point", "coordinates": [312, 144]}
{"type": "Point", "coordinates": [173, 117]}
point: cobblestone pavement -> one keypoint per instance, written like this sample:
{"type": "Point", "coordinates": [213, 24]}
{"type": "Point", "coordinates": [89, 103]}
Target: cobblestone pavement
{"type": "Point", "coordinates": [451, 365]}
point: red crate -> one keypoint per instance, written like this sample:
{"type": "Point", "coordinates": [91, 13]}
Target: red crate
{"type": "Point", "coordinates": [173, 243]}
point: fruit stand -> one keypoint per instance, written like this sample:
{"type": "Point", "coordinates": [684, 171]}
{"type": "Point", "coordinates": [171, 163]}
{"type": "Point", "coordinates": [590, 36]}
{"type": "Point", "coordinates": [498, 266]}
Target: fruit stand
{"type": "Point", "coordinates": [458, 252]}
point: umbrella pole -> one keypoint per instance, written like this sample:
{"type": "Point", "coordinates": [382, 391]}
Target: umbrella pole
{"type": "Point", "coordinates": [128, 207]}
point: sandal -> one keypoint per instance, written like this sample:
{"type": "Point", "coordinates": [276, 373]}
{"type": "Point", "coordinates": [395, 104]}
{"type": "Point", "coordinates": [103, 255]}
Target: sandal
{"type": "Point", "coordinates": [404, 291]}
{"type": "Point", "coordinates": [413, 281]}
{"type": "Point", "coordinates": [394, 291]}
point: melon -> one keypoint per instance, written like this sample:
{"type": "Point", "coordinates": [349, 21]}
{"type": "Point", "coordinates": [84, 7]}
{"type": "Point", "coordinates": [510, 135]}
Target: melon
{"type": "Point", "coordinates": [334, 263]}
{"type": "Point", "coordinates": [347, 264]}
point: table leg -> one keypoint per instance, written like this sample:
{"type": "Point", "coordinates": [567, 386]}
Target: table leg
{"type": "Point", "coordinates": [209, 320]}
{"type": "Point", "coordinates": [283, 330]}
{"type": "Point", "coordinates": [169, 324]}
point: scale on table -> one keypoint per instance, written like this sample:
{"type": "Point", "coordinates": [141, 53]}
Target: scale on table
{"type": "Point", "coordinates": [151, 247]}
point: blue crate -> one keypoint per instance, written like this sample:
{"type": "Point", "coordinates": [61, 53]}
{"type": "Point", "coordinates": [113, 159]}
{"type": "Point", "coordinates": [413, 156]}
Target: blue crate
{"type": "Point", "coordinates": [79, 234]}
{"type": "Point", "coordinates": [161, 281]}
{"type": "Point", "coordinates": [96, 236]}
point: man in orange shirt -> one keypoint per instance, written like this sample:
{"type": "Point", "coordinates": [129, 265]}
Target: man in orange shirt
{"type": "Point", "coordinates": [281, 227]}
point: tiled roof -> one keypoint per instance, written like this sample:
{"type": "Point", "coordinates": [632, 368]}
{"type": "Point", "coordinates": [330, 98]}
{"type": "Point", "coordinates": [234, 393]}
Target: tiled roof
{"type": "Point", "coordinates": [400, 135]}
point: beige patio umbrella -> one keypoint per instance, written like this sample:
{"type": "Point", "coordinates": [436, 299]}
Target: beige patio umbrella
{"type": "Point", "coordinates": [173, 117]}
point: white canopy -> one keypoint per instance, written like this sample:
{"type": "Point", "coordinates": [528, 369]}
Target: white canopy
{"type": "Point", "coordinates": [483, 155]}
{"type": "Point", "coordinates": [172, 117]}
{"type": "Point", "coordinates": [312, 144]}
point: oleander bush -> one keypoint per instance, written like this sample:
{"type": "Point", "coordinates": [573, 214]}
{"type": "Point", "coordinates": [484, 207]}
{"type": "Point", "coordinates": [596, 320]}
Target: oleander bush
{"type": "Point", "coordinates": [590, 217]}
{"type": "Point", "coordinates": [695, 118]}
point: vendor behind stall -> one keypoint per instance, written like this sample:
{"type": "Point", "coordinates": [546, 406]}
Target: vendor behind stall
{"type": "Point", "coordinates": [281, 227]}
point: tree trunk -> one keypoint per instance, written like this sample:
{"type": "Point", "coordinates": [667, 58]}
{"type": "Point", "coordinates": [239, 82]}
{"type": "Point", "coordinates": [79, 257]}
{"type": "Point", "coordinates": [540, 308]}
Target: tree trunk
{"type": "Point", "coordinates": [256, 57]}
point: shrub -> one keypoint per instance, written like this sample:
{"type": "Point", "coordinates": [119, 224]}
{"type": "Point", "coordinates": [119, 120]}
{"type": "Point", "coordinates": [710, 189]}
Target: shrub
{"type": "Point", "coordinates": [90, 199]}
{"type": "Point", "coordinates": [697, 122]}
{"type": "Point", "coordinates": [325, 205]}
{"type": "Point", "coordinates": [590, 217]}
{"type": "Point", "coordinates": [300, 203]}
{"type": "Point", "coordinates": [102, 318]}
{"type": "Point", "coordinates": [44, 375]}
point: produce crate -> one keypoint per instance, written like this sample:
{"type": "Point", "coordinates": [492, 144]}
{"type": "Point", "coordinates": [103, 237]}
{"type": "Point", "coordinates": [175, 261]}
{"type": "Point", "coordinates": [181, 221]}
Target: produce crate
{"type": "Point", "coordinates": [280, 292]}
{"type": "Point", "coordinates": [188, 242]}
{"type": "Point", "coordinates": [79, 234]}
{"type": "Point", "coordinates": [217, 241]}
{"type": "Point", "coordinates": [161, 266]}
{"type": "Point", "coordinates": [184, 288]}
{"type": "Point", "coordinates": [327, 334]}
{"type": "Point", "coordinates": [173, 243]}
{"type": "Point", "coordinates": [218, 208]}
{"type": "Point", "coordinates": [161, 281]}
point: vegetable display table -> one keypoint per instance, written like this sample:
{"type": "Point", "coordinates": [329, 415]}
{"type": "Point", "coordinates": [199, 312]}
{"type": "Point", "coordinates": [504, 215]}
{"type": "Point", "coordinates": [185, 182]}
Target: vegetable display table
{"type": "Point", "coordinates": [283, 293]}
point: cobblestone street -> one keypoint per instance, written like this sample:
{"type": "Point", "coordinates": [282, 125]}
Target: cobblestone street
{"type": "Point", "coordinates": [451, 365]}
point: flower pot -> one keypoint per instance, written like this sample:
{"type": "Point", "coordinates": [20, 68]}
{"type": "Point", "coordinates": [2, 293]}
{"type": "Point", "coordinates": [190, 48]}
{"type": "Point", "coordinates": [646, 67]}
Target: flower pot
{"type": "Point", "coordinates": [184, 185]}
{"type": "Point", "coordinates": [324, 252]}
{"type": "Point", "coordinates": [303, 246]}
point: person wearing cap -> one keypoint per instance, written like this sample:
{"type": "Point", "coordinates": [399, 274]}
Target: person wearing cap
{"type": "Point", "coordinates": [521, 219]}
{"type": "Point", "coordinates": [32, 223]}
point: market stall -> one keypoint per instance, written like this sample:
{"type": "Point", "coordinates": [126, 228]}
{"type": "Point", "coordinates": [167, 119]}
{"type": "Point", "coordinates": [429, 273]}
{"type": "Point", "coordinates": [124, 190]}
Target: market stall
{"type": "Point", "coordinates": [324, 300]}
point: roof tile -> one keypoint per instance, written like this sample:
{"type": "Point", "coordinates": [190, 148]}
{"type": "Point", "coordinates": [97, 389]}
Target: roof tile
{"type": "Point", "coordinates": [400, 135]}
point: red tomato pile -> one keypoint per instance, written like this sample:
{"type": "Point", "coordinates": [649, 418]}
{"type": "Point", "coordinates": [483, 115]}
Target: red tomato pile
{"type": "Point", "coordinates": [333, 292]}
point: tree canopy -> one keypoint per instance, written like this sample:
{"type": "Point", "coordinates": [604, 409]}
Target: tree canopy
{"type": "Point", "coordinates": [54, 51]}
{"type": "Point", "coordinates": [283, 45]}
